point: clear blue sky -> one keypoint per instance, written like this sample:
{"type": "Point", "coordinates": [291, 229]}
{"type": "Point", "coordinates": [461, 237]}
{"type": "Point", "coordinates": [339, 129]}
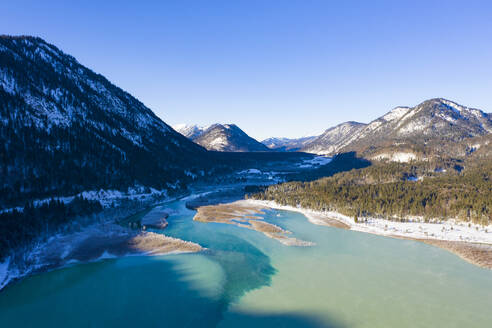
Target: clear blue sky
{"type": "Point", "coordinates": [275, 68]}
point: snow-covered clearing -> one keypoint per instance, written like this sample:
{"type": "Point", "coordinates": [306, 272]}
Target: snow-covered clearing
{"type": "Point", "coordinates": [402, 157]}
{"type": "Point", "coordinates": [315, 161]}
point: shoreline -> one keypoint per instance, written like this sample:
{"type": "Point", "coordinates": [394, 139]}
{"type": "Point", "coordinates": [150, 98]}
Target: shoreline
{"type": "Point", "coordinates": [246, 216]}
{"type": "Point", "coordinates": [467, 242]}
{"type": "Point", "coordinates": [92, 244]}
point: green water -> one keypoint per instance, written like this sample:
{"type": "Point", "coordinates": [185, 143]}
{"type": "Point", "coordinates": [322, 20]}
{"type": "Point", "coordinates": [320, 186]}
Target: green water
{"type": "Point", "coordinates": [245, 279]}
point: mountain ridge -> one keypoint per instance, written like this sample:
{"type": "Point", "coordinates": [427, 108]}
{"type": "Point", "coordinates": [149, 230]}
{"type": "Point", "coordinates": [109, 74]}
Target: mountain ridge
{"type": "Point", "coordinates": [334, 138]}
{"type": "Point", "coordinates": [190, 131]}
{"type": "Point", "coordinates": [58, 117]}
{"type": "Point", "coordinates": [432, 126]}
{"type": "Point", "coordinates": [287, 144]}
{"type": "Point", "coordinates": [221, 137]}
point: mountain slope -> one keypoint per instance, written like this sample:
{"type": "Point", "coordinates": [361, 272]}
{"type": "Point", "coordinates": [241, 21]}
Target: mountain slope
{"type": "Point", "coordinates": [334, 138]}
{"type": "Point", "coordinates": [190, 131]}
{"type": "Point", "coordinates": [65, 129]}
{"type": "Point", "coordinates": [431, 128]}
{"type": "Point", "coordinates": [286, 144]}
{"type": "Point", "coordinates": [435, 118]}
{"type": "Point", "coordinates": [222, 137]}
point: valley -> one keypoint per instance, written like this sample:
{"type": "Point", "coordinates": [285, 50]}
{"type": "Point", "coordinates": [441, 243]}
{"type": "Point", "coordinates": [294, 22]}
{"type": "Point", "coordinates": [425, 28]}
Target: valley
{"type": "Point", "coordinates": [243, 277]}
{"type": "Point", "coordinates": [365, 225]}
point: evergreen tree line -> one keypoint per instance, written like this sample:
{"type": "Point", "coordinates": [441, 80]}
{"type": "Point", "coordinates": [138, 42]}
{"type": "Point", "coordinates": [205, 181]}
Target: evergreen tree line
{"type": "Point", "coordinates": [383, 191]}
{"type": "Point", "coordinates": [64, 129]}
{"type": "Point", "coordinates": [21, 227]}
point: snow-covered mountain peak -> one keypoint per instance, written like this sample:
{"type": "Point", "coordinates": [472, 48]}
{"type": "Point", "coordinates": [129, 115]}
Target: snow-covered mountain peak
{"type": "Point", "coordinates": [436, 121]}
{"type": "Point", "coordinates": [221, 137]}
{"type": "Point", "coordinates": [190, 131]}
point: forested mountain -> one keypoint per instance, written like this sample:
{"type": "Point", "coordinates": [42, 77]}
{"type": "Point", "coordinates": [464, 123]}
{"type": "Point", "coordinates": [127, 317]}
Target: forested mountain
{"type": "Point", "coordinates": [395, 191]}
{"type": "Point", "coordinates": [450, 179]}
{"type": "Point", "coordinates": [286, 144]}
{"type": "Point", "coordinates": [65, 129]}
{"type": "Point", "coordinates": [430, 129]}
{"type": "Point", "coordinates": [221, 137]}
{"type": "Point", "coordinates": [478, 148]}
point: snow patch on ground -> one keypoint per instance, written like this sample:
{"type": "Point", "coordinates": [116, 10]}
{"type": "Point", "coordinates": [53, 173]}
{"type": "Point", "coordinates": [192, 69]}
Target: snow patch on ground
{"type": "Point", "coordinates": [396, 113]}
{"type": "Point", "coordinates": [454, 106]}
{"type": "Point", "coordinates": [408, 115]}
{"type": "Point", "coordinates": [218, 143]}
{"type": "Point", "coordinates": [315, 161]}
{"type": "Point", "coordinates": [4, 273]}
{"type": "Point", "coordinates": [475, 147]}
{"type": "Point", "coordinates": [110, 197]}
{"type": "Point", "coordinates": [257, 174]}
{"type": "Point", "coordinates": [446, 117]}
{"type": "Point", "coordinates": [450, 230]}
{"type": "Point", "coordinates": [413, 126]}
{"type": "Point", "coordinates": [374, 125]}
{"type": "Point", "coordinates": [7, 82]}
{"type": "Point", "coordinates": [250, 171]}
{"type": "Point", "coordinates": [106, 198]}
{"type": "Point", "coordinates": [402, 157]}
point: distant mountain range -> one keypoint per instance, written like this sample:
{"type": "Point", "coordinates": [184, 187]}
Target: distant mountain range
{"type": "Point", "coordinates": [434, 127]}
{"type": "Point", "coordinates": [221, 137]}
{"type": "Point", "coordinates": [65, 129]}
{"type": "Point", "coordinates": [286, 144]}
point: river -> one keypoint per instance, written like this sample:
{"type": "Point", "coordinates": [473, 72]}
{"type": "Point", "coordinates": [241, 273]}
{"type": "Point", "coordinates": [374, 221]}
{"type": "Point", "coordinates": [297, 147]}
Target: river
{"type": "Point", "coordinates": [244, 279]}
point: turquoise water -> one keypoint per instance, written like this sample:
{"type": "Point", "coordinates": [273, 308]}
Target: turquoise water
{"type": "Point", "coordinates": [348, 279]}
